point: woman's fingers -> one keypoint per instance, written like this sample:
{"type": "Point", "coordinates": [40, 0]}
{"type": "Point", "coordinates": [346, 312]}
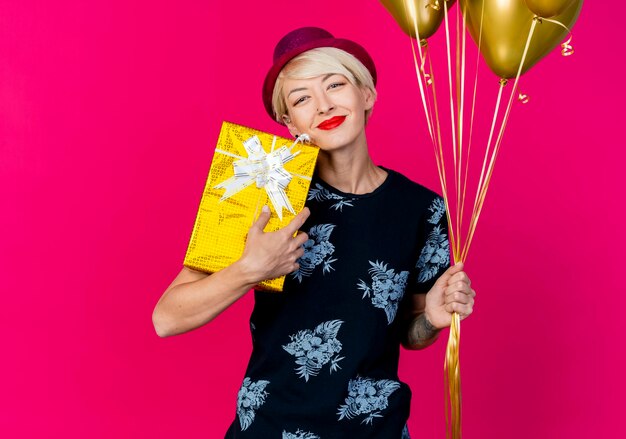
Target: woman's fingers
{"type": "Point", "coordinates": [458, 286]}
{"type": "Point", "coordinates": [297, 221]}
{"type": "Point", "coordinates": [460, 276]}
{"type": "Point", "coordinates": [300, 239]}
{"type": "Point", "coordinates": [459, 296]}
{"type": "Point", "coordinates": [459, 308]}
{"type": "Point", "coordinates": [277, 253]}
{"type": "Point", "coordinates": [299, 252]}
{"type": "Point", "coordinates": [262, 220]}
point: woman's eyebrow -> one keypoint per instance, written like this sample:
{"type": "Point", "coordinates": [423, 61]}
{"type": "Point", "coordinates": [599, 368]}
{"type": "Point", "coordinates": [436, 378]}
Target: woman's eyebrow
{"type": "Point", "coordinates": [295, 90]}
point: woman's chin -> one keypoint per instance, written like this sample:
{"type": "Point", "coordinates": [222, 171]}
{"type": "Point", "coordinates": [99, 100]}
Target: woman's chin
{"type": "Point", "coordinates": [330, 146]}
{"type": "Point", "coordinates": [332, 141]}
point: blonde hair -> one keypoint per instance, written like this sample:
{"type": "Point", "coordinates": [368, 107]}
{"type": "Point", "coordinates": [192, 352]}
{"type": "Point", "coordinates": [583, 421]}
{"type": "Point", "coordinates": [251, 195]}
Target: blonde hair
{"type": "Point", "coordinates": [317, 62]}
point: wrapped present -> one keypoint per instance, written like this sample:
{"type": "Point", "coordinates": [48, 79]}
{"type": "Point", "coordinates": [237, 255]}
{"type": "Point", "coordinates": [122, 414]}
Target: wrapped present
{"type": "Point", "coordinates": [250, 168]}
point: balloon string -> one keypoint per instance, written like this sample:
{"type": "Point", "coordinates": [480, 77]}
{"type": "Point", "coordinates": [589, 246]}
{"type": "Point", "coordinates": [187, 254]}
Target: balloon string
{"type": "Point", "coordinates": [438, 146]}
{"type": "Point", "coordinates": [469, 147]}
{"type": "Point", "coordinates": [435, 136]}
{"type": "Point", "coordinates": [454, 243]}
{"type": "Point", "coordinates": [482, 171]}
{"type": "Point", "coordinates": [436, 139]}
{"type": "Point", "coordinates": [483, 189]}
{"type": "Point", "coordinates": [474, 218]}
{"type": "Point", "coordinates": [459, 171]}
{"type": "Point", "coordinates": [457, 83]}
{"type": "Point", "coordinates": [454, 146]}
{"type": "Point", "coordinates": [452, 380]}
{"type": "Point", "coordinates": [412, 13]}
{"type": "Point", "coordinates": [427, 78]}
{"type": "Point", "coordinates": [441, 167]}
{"type": "Point", "coordinates": [566, 47]}
{"type": "Point", "coordinates": [452, 389]}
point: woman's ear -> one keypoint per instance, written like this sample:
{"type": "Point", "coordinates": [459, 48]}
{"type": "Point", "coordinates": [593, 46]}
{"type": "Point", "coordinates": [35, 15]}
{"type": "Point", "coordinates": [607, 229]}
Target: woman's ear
{"type": "Point", "coordinates": [370, 97]}
{"type": "Point", "coordinates": [290, 126]}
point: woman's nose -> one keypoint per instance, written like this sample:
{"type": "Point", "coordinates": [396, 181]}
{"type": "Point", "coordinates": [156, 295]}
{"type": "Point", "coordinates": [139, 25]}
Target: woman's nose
{"type": "Point", "coordinates": [324, 105]}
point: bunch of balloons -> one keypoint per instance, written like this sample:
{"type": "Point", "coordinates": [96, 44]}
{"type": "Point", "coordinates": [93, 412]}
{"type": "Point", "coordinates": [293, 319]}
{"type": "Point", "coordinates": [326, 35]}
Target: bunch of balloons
{"type": "Point", "coordinates": [512, 36]}
{"type": "Point", "coordinates": [505, 25]}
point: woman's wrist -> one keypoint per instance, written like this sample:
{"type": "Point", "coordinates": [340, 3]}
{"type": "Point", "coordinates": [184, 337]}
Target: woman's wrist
{"type": "Point", "coordinates": [428, 323]}
{"type": "Point", "coordinates": [421, 333]}
{"type": "Point", "coordinates": [246, 272]}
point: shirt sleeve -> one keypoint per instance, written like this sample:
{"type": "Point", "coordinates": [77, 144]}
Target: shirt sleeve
{"type": "Point", "coordinates": [434, 256]}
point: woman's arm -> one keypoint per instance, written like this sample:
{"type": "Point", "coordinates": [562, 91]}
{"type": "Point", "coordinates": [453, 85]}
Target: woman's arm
{"type": "Point", "coordinates": [420, 333]}
{"type": "Point", "coordinates": [194, 298]}
{"type": "Point", "coordinates": [433, 311]}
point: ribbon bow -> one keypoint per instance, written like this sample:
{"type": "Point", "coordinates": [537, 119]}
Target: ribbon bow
{"type": "Point", "coordinates": [266, 170]}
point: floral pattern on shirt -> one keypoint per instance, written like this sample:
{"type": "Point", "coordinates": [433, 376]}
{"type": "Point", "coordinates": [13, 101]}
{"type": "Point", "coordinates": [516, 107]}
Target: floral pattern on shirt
{"type": "Point", "coordinates": [320, 193]}
{"type": "Point", "coordinates": [315, 348]}
{"type": "Point", "coordinates": [300, 435]}
{"type": "Point", "coordinates": [251, 396]}
{"type": "Point", "coordinates": [438, 208]}
{"type": "Point", "coordinates": [367, 396]}
{"type": "Point", "coordinates": [317, 250]}
{"type": "Point", "coordinates": [386, 290]}
{"type": "Point", "coordinates": [405, 432]}
{"type": "Point", "coordinates": [434, 256]}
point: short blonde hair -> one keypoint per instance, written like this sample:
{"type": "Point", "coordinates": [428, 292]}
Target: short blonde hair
{"type": "Point", "coordinates": [317, 62]}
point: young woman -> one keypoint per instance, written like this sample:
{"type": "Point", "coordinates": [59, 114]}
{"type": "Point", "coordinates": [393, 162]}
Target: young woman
{"type": "Point", "coordinates": [370, 270]}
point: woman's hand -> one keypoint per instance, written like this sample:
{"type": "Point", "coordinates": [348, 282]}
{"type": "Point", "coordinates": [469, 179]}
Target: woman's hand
{"type": "Point", "coordinates": [451, 293]}
{"type": "Point", "coordinates": [273, 254]}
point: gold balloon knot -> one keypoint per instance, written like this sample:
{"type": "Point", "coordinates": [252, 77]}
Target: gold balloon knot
{"type": "Point", "coordinates": [424, 42]}
{"type": "Point", "coordinates": [503, 82]}
{"type": "Point", "coordinates": [436, 6]}
{"type": "Point", "coordinates": [523, 98]}
{"type": "Point", "coordinates": [538, 19]}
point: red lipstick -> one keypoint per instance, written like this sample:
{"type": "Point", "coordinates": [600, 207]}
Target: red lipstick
{"type": "Point", "coordinates": [331, 123]}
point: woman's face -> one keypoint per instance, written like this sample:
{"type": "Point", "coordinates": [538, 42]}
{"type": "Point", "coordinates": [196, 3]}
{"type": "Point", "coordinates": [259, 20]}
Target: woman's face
{"type": "Point", "coordinates": [329, 108]}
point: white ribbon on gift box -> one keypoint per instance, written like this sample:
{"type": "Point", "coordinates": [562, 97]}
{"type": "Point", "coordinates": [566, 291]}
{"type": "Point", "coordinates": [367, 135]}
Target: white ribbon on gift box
{"type": "Point", "coordinates": [266, 170]}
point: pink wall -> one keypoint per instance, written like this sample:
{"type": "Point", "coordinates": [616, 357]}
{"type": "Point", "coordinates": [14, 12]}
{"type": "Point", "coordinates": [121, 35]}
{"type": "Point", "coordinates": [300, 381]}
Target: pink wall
{"type": "Point", "coordinates": [109, 113]}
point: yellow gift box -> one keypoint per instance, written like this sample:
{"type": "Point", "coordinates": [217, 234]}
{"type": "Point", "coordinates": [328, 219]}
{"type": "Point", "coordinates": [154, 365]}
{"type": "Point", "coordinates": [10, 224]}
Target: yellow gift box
{"type": "Point", "coordinates": [250, 168]}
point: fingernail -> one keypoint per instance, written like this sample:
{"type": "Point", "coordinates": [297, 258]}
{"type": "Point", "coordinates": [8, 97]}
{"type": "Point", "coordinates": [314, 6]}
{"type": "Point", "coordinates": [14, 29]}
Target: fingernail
{"type": "Point", "coordinates": [265, 208]}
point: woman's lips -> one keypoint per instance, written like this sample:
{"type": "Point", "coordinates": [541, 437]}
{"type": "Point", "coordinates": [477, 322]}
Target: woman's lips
{"type": "Point", "coordinates": [331, 123]}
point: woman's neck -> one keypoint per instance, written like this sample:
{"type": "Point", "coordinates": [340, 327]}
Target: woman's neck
{"type": "Point", "coordinates": [350, 170]}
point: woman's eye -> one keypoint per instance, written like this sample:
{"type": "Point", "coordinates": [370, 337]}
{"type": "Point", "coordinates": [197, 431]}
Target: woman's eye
{"type": "Point", "coordinates": [299, 100]}
{"type": "Point", "coordinates": [336, 84]}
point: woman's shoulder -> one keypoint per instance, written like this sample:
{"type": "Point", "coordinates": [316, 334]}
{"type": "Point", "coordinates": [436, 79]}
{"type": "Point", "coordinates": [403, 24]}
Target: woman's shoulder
{"type": "Point", "coordinates": [406, 187]}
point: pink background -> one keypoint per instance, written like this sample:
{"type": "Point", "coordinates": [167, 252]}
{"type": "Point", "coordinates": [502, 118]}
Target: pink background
{"type": "Point", "coordinates": [109, 114]}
